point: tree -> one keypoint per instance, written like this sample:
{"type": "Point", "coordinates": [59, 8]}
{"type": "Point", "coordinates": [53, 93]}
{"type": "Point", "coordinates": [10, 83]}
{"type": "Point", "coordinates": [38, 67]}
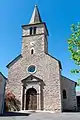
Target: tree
{"type": "Point", "coordinates": [11, 103]}
{"type": "Point", "coordinates": [74, 47]}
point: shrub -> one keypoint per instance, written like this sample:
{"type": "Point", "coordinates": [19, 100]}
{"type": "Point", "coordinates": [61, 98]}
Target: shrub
{"type": "Point", "coordinates": [11, 103]}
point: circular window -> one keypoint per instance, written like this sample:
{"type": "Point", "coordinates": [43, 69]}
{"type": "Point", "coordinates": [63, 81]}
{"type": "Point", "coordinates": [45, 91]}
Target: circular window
{"type": "Point", "coordinates": [31, 68]}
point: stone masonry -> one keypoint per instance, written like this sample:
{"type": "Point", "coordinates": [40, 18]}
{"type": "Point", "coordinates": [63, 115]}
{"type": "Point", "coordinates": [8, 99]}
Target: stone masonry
{"type": "Point", "coordinates": [47, 75]}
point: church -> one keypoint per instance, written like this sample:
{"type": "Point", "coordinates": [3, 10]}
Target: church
{"type": "Point", "coordinates": [35, 76]}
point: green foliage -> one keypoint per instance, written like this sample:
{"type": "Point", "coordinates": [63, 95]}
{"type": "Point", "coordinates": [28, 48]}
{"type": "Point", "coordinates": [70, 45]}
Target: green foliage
{"type": "Point", "coordinates": [75, 71]}
{"type": "Point", "coordinates": [78, 82]}
{"type": "Point", "coordinates": [74, 46]}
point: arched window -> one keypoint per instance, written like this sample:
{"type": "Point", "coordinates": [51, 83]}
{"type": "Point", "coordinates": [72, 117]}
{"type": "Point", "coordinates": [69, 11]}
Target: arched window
{"type": "Point", "coordinates": [34, 30]}
{"type": "Point", "coordinates": [64, 94]}
{"type": "Point", "coordinates": [31, 31]}
{"type": "Point", "coordinates": [32, 51]}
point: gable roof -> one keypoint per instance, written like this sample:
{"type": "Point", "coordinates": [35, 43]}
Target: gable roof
{"type": "Point", "coordinates": [3, 76]}
{"type": "Point", "coordinates": [68, 79]}
{"type": "Point", "coordinates": [32, 76]}
{"type": "Point", "coordinates": [55, 59]}
{"type": "Point", "coordinates": [19, 56]}
{"type": "Point", "coordinates": [14, 60]}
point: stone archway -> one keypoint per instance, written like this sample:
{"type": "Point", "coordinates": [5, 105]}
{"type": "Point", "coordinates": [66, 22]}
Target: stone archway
{"type": "Point", "coordinates": [31, 99]}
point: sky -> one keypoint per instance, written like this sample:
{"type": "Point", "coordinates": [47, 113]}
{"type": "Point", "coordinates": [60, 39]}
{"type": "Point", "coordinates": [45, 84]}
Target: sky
{"type": "Point", "coordinates": [58, 15]}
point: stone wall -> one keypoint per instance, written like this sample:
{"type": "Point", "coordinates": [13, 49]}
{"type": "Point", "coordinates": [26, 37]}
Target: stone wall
{"type": "Point", "coordinates": [34, 42]}
{"type": "Point", "coordinates": [70, 102]}
{"type": "Point", "coordinates": [47, 69]}
{"type": "Point", "coordinates": [2, 92]}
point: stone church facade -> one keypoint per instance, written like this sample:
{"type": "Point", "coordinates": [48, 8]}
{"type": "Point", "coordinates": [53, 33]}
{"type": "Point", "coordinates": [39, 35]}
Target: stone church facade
{"type": "Point", "coordinates": [35, 76]}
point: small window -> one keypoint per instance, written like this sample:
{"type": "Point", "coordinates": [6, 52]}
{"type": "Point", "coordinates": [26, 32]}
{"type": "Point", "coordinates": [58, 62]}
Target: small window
{"type": "Point", "coordinates": [34, 30]}
{"type": "Point", "coordinates": [31, 31]}
{"type": "Point", "coordinates": [32, 51]}
{"type": "Point", "coordinates": [31, 68]}
{"type": "Point", "coordinates": [64, 94]}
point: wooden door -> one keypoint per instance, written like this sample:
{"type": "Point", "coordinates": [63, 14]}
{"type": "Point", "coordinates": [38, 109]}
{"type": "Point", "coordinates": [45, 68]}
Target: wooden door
{"type": "Point", "coordinates": [31, 99]}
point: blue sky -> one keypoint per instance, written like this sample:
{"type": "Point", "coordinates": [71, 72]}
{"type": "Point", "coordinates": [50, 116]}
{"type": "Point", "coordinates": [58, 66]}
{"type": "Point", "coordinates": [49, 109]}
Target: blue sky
{"type": "Point", "coordinates": [58, 15]}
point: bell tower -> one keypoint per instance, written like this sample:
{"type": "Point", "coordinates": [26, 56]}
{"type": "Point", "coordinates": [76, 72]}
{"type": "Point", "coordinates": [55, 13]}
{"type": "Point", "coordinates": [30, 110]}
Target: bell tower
{"type": "Point", "coordinates": [34, 35]}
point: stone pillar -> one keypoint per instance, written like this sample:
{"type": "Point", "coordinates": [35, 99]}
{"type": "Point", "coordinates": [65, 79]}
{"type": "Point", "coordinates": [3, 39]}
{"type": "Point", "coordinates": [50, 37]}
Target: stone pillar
{"type": "Point", "coordinates": [39, 99]}
{"type": "Point", "coordinates": [23, 93]}
{"type": "Point", "coordinates": [25, 99]}
{"type": "Point", "coordinates": [41, 95]}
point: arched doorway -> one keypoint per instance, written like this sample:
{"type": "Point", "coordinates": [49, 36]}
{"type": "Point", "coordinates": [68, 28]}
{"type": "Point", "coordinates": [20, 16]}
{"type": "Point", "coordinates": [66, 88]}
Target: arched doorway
{"type": "Point", "coordinates": [31, 99]}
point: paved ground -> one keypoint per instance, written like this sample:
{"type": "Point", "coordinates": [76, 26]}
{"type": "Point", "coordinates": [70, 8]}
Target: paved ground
{"type": "Point", "coordinates": [45, 116]}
